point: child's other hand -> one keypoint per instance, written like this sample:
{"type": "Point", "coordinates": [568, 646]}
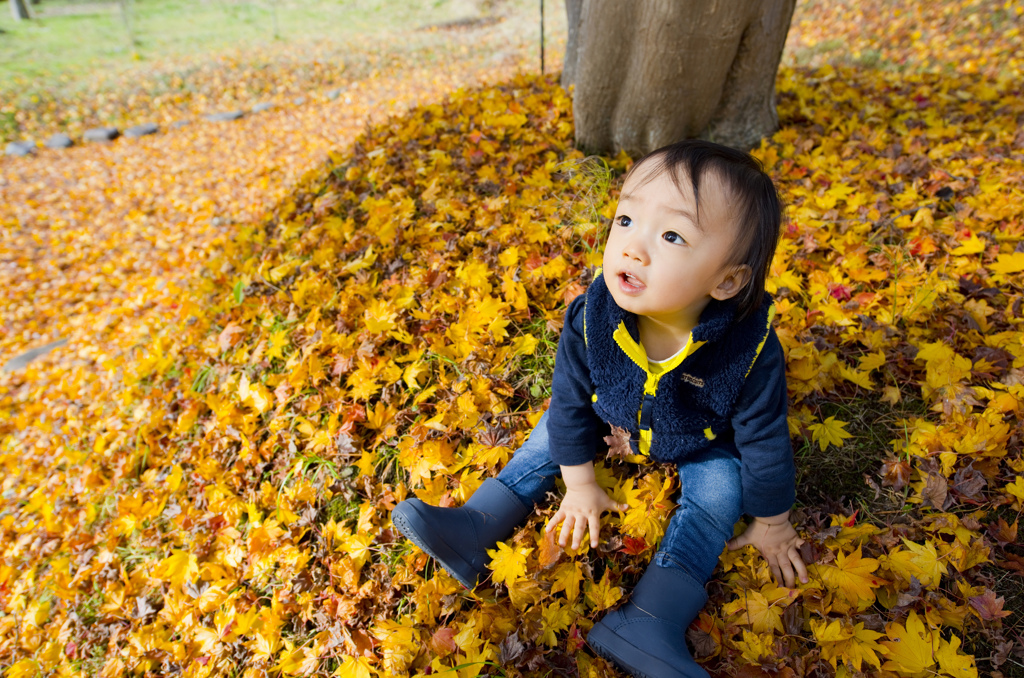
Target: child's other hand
{"type": "Point", "coordinates": [581, 508]}
{"type": "Point", "coordinates": [780, 545]}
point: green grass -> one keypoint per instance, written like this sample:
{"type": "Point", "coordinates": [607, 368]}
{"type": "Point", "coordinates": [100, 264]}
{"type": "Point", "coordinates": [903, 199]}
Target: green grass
{"type": "Point", "coordinates": [834, 478]}
{"type": "Point", "coordinates": [532, 374]}
{"type": "Point", "coordinates": [76, 38]}
{"type": "Point", "coordinates": [83, 64]}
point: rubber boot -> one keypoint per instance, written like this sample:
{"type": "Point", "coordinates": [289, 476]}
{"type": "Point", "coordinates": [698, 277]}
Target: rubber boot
{"type": "Point", "coordinates": [647, 636]}
{"type": "Point", "coordinates": [458, 538]}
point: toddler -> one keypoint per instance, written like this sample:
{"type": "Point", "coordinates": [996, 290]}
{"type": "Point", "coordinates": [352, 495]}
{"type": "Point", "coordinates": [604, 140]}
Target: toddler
{"type": "Point", "coordinates": [672, 342]}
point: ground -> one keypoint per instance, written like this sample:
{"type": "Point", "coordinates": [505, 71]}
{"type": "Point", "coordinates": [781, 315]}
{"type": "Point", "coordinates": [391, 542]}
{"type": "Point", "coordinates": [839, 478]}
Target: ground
{"type": "Point", "coordinates": [268, 345]}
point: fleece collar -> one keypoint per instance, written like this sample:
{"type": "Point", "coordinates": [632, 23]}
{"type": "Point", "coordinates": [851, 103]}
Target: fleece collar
{"type": "Point", "coordinates": [687, 404]}
{"type": "Point", "coordinates": [714, 322]}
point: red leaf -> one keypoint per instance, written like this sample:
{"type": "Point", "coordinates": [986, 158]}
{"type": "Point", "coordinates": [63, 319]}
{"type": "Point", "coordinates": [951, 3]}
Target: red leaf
{"type": "Point", "coordinates": [988, 606]}
{"type": "Point", "coordinates": [443, 641]}
{"type": "Point", "coordinates": [634, 546]}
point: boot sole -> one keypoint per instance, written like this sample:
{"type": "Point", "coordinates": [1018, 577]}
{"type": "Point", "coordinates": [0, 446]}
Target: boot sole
{"type": "Point", "coordinates": [630, 658]}
{"type": "Point", "coordinates": [410, 523]}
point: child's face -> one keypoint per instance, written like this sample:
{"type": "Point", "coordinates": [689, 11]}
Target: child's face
{"type": "Point", "coordinates": [660, 261]}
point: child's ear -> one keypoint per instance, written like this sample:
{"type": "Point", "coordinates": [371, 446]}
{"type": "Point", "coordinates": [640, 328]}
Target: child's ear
{"type": "Point", "coordinates": [736, 278]}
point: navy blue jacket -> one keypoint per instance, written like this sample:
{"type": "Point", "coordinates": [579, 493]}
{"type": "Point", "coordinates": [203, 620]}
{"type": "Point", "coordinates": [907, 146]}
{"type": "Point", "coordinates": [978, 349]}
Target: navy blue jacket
{"type": "Point", "coordinates": [727, 389]}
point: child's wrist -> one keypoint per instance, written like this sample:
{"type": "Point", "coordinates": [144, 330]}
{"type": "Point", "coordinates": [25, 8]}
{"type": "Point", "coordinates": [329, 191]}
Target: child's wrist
{"type": "Point", "coordinates": [580, 485]}
{"type": "Point", "coordinates": [773, 521]}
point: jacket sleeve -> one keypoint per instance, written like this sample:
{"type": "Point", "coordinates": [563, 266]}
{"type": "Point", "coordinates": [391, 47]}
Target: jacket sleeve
{"type": "Point", "coordinates": [762, 435]}
{"type": "Point", "coordinates": [574, 428]}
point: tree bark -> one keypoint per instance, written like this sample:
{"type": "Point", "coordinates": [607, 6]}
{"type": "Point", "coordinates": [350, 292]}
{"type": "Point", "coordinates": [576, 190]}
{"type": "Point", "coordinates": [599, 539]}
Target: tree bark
{"type": "Point", "coordinates": [19, 11]}
{"type": "Point", "coordinates": [573, 8]}
{"type": "Point", "coordinates": [651, 72]}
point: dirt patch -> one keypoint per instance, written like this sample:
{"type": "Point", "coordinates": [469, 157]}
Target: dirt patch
{"type": "Point", "coordinates": [466, 24]}
{"type": "Point", "coordinates": [77, 9]}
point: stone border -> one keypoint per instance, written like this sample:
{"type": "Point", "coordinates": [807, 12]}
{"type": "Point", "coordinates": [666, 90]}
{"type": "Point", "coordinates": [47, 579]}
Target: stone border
{"type": "Point", "coordinates": [27, 147]}
{"type": "Point", "coordinates": [20, 361]}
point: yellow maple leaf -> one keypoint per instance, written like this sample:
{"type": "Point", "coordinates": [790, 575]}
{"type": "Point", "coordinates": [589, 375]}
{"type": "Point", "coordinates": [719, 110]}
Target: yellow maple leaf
{"type": "Point", "coordinates": [354, 667]}
{"type": "Point", "coordinates": [852, 644]}
{"type": "Point", "coordinates": [891, 395]}
{"type": "Point", "coordinates": [476, 660]}
{"type": "Point", "coordinates": [399, 642]}
{"type": "Point", "coordinates": [278, 342]}
{"type": "Point", "coordinates": [973, 245]}
{"type": "Point", "coordinates": [263, 538]}
{"type": "Point", "coordinates": [259, 397]}
{"type": "Point", "coordinates": [1016, 490]}
{"type": "Point", "coordinates": [872, 361]}
{"type": "Point", "coordinates": [296, 661]}
{"type": "Point", "coordinates": [525, 345]}
{"type": "Point", "coordinates": [952, 662]}
{"type": "Point", "coordinates": [919, 560]}
{"type": "Point", "coordinates": [753, 608]}
{"type": "Point", "coordinates": [507, 564]}
{"type": "Point", "coordinates": [911, 648]}
{"type": "Point", "coordinates": [243, 388]}
{"type": "Point", "coordinates": [525, 592]}
{"type": "Point", "coordinates": [1008, 263]}
{"type": "Point", "coordinates": [603, 595]}
{"type": "Point", "coordinates": [179, 566]}
{"type": "Point", "coordinates": [557, 617]}
{"type": "Point", "coordinates": [851, 575]}
{"type": "Point", "coordinates": [567, 578]}
{"type": "Point", "coordinates": [379, 316]}
{"type": "Point", "coordinates": [756, 647]}
{"type": "Point", "coordinates": [357, 547]}
{"type": "Point", "coordinates": [23, 669]}
{"type": "Point", "coordinates": [174, 478]}
{"type": "Point", "coordinates": [468, 635]}
{"type": "Point", "coordinates": [278, 272]}
{"type": "Point", "coordinates": [367, 259]}
{"type": "Point", "coordinates": [413, 372]}
{"type": "Point", "coordinates": [265, 643]}
{"type": "Point", "coordinates": [829, 432]}
{"type": "Point", "coordinates": [861, 378]}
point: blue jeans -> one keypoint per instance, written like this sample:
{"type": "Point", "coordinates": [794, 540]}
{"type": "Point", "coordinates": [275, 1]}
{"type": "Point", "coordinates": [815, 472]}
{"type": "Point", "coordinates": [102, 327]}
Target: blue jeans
{"type": "Point", "coordinates": [708, 505]}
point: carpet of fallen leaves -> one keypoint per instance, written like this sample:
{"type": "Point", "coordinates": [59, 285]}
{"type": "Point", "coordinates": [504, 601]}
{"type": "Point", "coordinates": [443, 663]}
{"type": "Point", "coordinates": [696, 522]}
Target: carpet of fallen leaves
{"type": "Point", "coordinates": [200, 481]}
{"type": "Point", "coordinates": [169, 90]}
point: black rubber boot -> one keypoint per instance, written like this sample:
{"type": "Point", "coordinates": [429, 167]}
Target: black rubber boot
{"type": "Point", "coordinates": [458, 538]}
{"type": "Point", "coordinates": [647, 636]}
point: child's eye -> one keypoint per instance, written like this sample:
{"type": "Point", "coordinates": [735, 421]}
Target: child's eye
{"type": "Point", "coordinates": [624, 220]}
{"type": "Point", "coordinates": [674, 237]}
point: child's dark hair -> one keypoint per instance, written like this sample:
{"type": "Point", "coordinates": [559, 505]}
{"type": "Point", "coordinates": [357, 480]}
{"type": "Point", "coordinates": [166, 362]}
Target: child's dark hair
{"type": "Point", "coordinates": [759, 211]}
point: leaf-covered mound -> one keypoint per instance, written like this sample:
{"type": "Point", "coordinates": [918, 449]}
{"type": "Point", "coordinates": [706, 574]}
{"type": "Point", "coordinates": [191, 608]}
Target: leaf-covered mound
{"type": "Point", "coordinates": [391, 331]}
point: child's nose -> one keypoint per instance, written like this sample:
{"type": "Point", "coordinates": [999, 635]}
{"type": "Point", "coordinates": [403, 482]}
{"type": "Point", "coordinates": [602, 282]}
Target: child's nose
{"type": "Point", "coordinates": [635, 249]}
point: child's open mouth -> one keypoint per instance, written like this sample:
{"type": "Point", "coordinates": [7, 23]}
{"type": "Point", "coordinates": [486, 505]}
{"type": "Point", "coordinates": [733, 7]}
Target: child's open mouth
{"type": "Point", "coordinates": [630, 283]}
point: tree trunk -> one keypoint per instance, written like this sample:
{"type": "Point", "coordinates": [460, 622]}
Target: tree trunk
{"type": "Point", "coordinates": [651, 72]}
{"type": "Point", "coordinates": [19, 11]}
{"type": "Point", "coordinates": [573, 8]}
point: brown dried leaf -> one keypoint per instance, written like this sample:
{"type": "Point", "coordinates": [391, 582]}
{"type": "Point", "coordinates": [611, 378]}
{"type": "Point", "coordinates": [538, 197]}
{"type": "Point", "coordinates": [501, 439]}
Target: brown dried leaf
{"type": "Point", "coordinates": [703, 644]}
{"type": "Point", "coordinates": [618, 443]}
{"type": "Point", "coordinates": [230, 336]}
{"type": "Point", "coordinates": [895, 473]}
{"type": "Point", "coordinates": [549, 552]}
{"type": "Point", "coordinates": [936, 491]}
{"type": "Point", "coordinates": [1003, 532]}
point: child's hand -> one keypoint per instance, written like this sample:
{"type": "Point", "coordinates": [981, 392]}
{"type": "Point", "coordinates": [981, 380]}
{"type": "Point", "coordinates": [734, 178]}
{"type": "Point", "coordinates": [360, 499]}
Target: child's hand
{"type": "Point", "coordinates": [780, 545]}
{"type": "Point", "coordinates": [581, 508]}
